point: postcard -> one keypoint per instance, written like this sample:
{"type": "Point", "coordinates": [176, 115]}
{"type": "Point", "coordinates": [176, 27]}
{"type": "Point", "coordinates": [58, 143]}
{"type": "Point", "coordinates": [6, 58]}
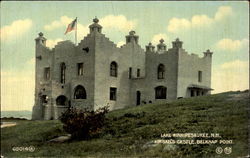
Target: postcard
{"type": "Point", "coordinates": [156, 79]}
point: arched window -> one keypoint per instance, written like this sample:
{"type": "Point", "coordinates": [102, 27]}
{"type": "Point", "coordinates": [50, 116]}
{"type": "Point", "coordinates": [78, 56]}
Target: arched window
{"type": "Point", "coordinates": [160, 92]}
{"type": "Point", "coordinates": [80, 92]}
{"type": "Point", "coordinates": [113, 69]}
{"type": "Point", "coordinates": [161, 71]}
{"type": "Point", "coordinates": [63, 68]}
{"type": "Point", "coordinates": [61, 100]}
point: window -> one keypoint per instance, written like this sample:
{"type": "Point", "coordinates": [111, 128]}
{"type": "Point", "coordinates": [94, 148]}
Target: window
{"type": "Point", "coordinates": [112, 93]}
{"type": "Point", "coordinates": [130, 73]}
{"type": "Point", "coordinates": [80, 92]}
{"type": "Point", "coordinates": [113, 69]}
{"type": "Point", "coordinates": [199, 76]}
{"type": "Point", "coordinates": [192, 93]}
{"type": "Point", "coordinates": [161, 71]}
{"type": "Point", "coordinates": [160, 92]}
{"type": "Point", "coordinates": [44, 99]}
{"type": "Point", "coordinates": [138, 72]}
{"type": "Point", "coordinates": [61, 100]}
{"type": "Point", "coordinates": [47, 73]}
{"type": "Point", "coordinates": [80, 69]}
{"type": "Point", "coordinates": [63, 68]}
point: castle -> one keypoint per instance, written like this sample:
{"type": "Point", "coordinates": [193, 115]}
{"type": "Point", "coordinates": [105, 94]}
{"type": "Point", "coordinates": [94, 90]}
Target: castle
{"type": "Point", "coordinates": [97, 73]}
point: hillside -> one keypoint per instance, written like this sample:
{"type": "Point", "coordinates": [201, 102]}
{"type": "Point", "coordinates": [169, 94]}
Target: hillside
{"type": "Point", "coordinates": [133, 129]}
{"type": "Point", "coordinates": [17, 114]}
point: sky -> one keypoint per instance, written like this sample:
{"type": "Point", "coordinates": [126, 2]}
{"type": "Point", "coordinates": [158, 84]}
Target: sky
{"type": "Point", "coordinates": [222, 27]}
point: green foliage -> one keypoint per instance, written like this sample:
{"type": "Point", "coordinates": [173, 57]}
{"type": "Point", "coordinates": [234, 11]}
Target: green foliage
{"type": "Point", "coordinates": [83, 124]}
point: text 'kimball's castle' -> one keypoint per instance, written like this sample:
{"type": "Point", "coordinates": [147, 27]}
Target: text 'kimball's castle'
{"type": "Point", "coordinates": [97, 73]}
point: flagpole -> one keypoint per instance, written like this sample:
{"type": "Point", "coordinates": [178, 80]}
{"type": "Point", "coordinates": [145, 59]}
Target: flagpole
{"type": "Point", "coordinates": [76, 32]}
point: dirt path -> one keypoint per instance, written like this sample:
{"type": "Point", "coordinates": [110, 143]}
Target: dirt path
{"type": "Point", "coordinates": [7, 124]}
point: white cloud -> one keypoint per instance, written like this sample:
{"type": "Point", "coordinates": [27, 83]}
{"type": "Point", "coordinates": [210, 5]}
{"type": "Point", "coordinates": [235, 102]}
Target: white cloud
{"type": "Point", "coordinates": [119, 22]}
{"type": "Point", "coordinates": [15, 29]}
{"type": "Point", "coordinates": [52, 43]}
{"type": "Point", "coordinates": [180, 24]}
{"type": "Point", "coordinates": [17, 90]}
{"type": "Point", "coordinates": [228, 44]}
{"type": "Point", "coordinates": [176, 24]}
{"type": "Point", "coordinates": [223, 12]}
{"type": "Point", "coordinates": [64, 21]}
{"type": "Point", "coordinates": [121, 43]}
{"type": "Point", "coordinates": [231, 76]}
{"type": "Point", "coordinates": [156, 38]}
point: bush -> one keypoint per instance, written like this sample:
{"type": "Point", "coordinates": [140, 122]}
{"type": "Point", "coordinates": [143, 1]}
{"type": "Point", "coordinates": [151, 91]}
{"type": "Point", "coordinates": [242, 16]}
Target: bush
{"type": "Point", "coordinates": [83, 124]}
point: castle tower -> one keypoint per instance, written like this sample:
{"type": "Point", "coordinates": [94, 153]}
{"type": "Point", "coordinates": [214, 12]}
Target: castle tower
{"type": "Point", "coordinates": [150, 47]}
{"type": "Point", "coordinates": [40, 39]}
{"type": "Point", "coordinates": [161, 46]}
{"type": "Point", "coordinates": [95, 27]}
{"type": "Point", "coordinates": [132, 38]}
{"type": "Point", "coordinates": [208, 53]}
{"type": "Point", "coordinates": [177, 43]}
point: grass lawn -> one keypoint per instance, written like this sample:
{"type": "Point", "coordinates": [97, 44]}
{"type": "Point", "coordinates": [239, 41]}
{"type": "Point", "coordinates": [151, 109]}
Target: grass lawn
{"type": "Point", "coordinates": [130, 129]}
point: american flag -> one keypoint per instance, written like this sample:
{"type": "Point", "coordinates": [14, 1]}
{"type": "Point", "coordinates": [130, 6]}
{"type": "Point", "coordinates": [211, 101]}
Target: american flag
{"type": "Point", "coordinates": [71, 26]}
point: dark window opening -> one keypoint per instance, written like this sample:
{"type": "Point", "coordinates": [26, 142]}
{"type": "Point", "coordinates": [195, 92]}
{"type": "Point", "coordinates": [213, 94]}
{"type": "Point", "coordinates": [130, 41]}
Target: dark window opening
{"type": "Point", "coordinates": [47, 73]}
{"type": "Point", "coordinates": [61, 100]}
{"type": "Point", "coordinates": [63, 69]}
{"type": "Point", "coordinates": [80, 92]}
{"type": "Point", "coordinates": [192, 93]}
{"type": "Point", "coordinates": [44, 99]}
{"type": "Point", "coordinates": [202, 93]}
{"type": "Point", "coordinates": [113, 69]}
{"type": "Point", "coordinates": [130, 73]}
{"type": "Point", "coordinates": [138, 98]}
{"type": "Point", "coordinates": [80, 69]}
{"type": "Point", "coordinates": [160, 92]}
{"type": "Point", "coordinates": [161, 71]}
{"type": "Point", "coordinates": [112, 93]}
{"type": "Point", "coordinates": [199, 76]}
{"type": "Point", "coordinates": [138, 72]}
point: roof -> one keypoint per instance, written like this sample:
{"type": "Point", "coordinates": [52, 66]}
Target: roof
{"type": "Point", "coordinates": [195, 86]}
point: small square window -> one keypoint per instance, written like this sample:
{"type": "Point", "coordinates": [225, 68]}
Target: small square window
{"type": "Point", "coordinates": [112, 93]}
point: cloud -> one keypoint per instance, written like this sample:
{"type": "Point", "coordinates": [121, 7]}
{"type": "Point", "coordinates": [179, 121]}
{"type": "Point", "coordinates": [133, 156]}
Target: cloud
{"type": "Point", "coordinates": [223, 12]}
{"type": "Point", "coordinates": [197, 21]}
{"type": "Point", "coordinates": [157, 37]}
{"type": "Point", "coordinates": [121, 43]}
{"type": "Point", "coordinates": [228, 44]}
{"type": "Point", "coordinates": [64, 21]}
{"type": "Point", "coordinates": [119, 22]}
{"type": "Point", "coordinates": [17, 90]}
{"type": "Point", "coordinates": [231, 76]}
{"type": "Point", "coordinates": [15, 29]}
{"type": "Point", "coordinates": [52, 43]}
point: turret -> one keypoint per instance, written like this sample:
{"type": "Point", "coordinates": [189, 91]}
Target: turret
{"type": "Point", "coordinates": [150, 47]}
{"type": "Point", "coordinates": [177, 43]}
{"type": "Point", "coordinates": [40, 39]}
{"type": "Point", "coordinates": [95, 27]}
{"type": "Point", "coordinates": [208, 53]}
{"type": "Point", "coordinates": [132, 38]}
{"type": "Point", "coordinates": [161, 46]}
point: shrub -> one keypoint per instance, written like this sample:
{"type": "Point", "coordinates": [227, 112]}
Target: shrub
{"type": "Point", "coordinates": [83, 124]}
